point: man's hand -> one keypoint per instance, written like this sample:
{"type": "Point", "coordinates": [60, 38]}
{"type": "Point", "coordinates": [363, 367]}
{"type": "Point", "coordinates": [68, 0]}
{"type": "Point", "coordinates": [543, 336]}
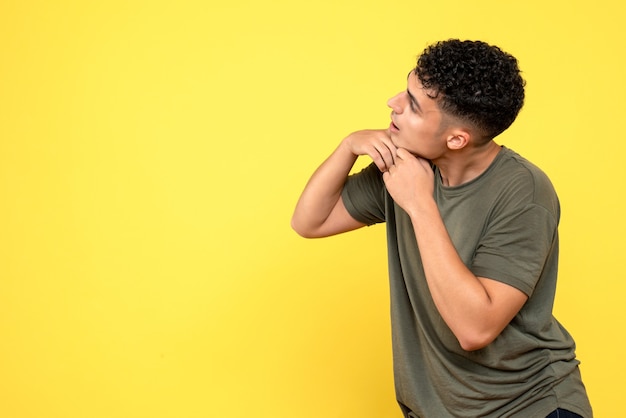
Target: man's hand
{"type": "Point", "coordinates": [374, 143]}
{"type": "Point", "coordinates": [409, 181]}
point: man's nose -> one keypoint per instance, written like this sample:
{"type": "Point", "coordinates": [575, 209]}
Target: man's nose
{"type": "Point", "coordinates": [395, 103]}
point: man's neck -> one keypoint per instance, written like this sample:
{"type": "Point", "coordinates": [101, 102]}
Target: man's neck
{"type": "Point", "coordinates": [462, 166]}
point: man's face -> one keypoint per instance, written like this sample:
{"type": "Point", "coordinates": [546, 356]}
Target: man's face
{"type": "Point", "coordinates": [417, 123]}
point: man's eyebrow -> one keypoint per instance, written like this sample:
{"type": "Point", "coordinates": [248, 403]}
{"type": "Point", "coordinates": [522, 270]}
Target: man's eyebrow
{"type": "Point", "coordinates": [411, 97]}
{"type": "Point", "coordinates": [414, 100]}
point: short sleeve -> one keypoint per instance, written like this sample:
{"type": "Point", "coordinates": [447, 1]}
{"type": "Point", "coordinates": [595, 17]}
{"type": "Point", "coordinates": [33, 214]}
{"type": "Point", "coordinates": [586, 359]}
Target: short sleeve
{"type": "Point", "coordinates": [364, 196]}
{"type": "Point", "coordinates": [516, 246]}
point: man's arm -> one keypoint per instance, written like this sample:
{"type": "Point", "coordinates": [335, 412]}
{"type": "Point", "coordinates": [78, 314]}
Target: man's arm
{"type": "Point", "coordinates": [320, 211]}
{"type": "Point", "coordinates": [476, 309]}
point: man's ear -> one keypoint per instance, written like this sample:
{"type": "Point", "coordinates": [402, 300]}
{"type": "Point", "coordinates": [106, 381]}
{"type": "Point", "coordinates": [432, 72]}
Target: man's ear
{"type": "Point", "coordinates": [458, 140]}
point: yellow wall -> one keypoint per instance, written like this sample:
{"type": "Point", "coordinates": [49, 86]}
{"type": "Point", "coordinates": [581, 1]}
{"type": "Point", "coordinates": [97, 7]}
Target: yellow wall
{"type": "Point", "coordinates": [150, 157]}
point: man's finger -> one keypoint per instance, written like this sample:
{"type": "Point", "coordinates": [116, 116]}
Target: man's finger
{"type": "Point", "coordinates": [403, 154]}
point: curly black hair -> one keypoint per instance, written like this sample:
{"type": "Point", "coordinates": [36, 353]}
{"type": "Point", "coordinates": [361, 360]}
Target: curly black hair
{"type": "Point", "coordinates": [474, 81]}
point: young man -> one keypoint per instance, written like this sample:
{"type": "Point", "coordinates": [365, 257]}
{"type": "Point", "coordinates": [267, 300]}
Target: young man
{"type": "Point", "coordinates": [472, 242]}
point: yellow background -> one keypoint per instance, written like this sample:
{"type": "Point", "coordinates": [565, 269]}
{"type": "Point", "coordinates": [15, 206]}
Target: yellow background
{"type": "Point", "coordinates": [151, 153]}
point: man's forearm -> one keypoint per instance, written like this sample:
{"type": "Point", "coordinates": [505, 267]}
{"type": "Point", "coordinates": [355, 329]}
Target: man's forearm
{"type": "Point", "coordinates": [322, 192]}
{"type": "Point", "coordinates": [459, 296]}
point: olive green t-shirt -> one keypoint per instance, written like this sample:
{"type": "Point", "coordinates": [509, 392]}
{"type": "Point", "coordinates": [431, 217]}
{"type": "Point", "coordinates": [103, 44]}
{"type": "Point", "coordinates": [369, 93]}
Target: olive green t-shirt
{"type": "Point", "coordinates": [504, 227]}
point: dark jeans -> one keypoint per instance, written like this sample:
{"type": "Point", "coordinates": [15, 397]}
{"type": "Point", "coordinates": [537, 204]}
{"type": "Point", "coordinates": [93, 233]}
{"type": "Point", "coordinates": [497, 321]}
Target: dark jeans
{"type": "Point", "coordinates": [562, 413]}
{"type": "Point", "coordinates": [559, 413]}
